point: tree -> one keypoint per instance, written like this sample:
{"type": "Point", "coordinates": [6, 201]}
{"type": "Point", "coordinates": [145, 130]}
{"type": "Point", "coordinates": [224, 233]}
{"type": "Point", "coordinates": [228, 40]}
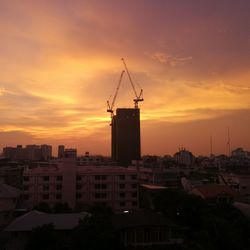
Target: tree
{"type": "Point", "coordinates": [43, 207]}
{"type": "Point", "coordinates": [61, 208]}
{"type": "Point", "coordinates": [45, 238]}
{"type": "Point", "coordinates": [211, 227]}
{"type": "Point", "coordinates": [95, 232]}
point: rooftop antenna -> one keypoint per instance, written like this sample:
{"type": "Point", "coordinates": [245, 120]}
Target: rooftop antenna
{"type": "Point", "coordinates": [211, 145]}
{"type": "Point", "coordinates": [228, 142]}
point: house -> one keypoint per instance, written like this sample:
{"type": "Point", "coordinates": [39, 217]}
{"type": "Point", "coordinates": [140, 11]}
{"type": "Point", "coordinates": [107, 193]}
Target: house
{"type": "Point", "coordinates": [19, 230]}
{"type": "Point", "coordinates": [8, 199]}
{"type": "Point", "coordinates": [215, 193]}
{"type": "Point", "coordinates": [145, 229]}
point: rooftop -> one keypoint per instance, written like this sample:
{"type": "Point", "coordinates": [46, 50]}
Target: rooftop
{"type": "Point", "coordinates": [35, 219]}
{"type": "Point", "coordinates": [7, 191]}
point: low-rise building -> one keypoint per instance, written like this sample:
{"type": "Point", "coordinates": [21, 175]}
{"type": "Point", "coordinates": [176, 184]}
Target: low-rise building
{"type": "Point", "coordinates": [30, 152]}
{"type": "Point", "coordinates": [146, 230]}
{"type": "Point", "coordinates": [238, 182]}
{"type": "Point", "coordinates": [215, 193]}
{"type": "Point", "coordinates": [113, 186]}
{"type": "Point", "coordinates": [18, 232]}
{"type": "Point", "coordinates": [9, 197]}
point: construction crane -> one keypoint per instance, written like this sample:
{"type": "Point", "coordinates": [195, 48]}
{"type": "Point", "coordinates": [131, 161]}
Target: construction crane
{"type": "Point", "coordinates": [138, 98]}
{"type": "Point", "coordinates": [110, 107]}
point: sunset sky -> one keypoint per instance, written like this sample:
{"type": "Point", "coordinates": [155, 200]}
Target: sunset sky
{"type": "Point", "coordinates": [61, 60]}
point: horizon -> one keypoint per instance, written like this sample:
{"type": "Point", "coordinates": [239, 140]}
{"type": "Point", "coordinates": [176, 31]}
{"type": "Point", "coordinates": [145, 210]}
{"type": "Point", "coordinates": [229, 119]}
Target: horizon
{"type": "Point", "coordinates": [60, 62]}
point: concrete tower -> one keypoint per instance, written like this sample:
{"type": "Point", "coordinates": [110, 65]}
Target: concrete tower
{"type": "Point", "coordinates": [126, 142]}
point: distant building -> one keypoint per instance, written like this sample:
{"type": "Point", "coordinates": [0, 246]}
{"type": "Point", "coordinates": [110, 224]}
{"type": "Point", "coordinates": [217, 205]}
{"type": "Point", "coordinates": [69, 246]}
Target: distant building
{"type": "Point", "coordinates": [184, 157]}
{"type": "Point", "coordinates": [215, 193]}
{"type": "Point", "coordinates": [30, 152]}
{"type": "Point", "coordinates": [169, 177]}
{"type": "Point", "coordinates": [238, 182]}
{"type": "Point", "coordinates": [9, 197]}
{"type": "Point", "coordinates": [239, 152]}
{"type": "Point", "coordinates": [126, 145]}
{"type": "Point", "coordinates": [70, 153]}
{"type": "Point", "coordinates": [60, 151]}
{"type": "Point", "coordinates": [92, 160]}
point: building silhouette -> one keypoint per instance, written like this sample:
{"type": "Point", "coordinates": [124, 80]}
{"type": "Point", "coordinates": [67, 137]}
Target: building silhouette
{"type": "Point", "coordinates": [30, 152]}
{"type": "Point", "coordinates": [61, 149]}
{"type": "Point", "coordinates": [126, 144]}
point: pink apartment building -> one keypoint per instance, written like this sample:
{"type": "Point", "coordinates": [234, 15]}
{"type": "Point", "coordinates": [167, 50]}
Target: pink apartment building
{"type": "Point", "coordinates": [66, 182]}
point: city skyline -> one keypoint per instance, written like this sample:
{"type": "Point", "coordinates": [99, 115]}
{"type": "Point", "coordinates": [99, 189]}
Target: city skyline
{"type": "Point", "coordinates": [60, 61]}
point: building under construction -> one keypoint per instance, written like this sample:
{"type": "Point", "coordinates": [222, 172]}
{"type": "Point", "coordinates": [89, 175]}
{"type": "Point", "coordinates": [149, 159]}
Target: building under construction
{"type": "Point", "coordinates": [125, 127]}
{"type": "Point", "coordinates": [126, 141]}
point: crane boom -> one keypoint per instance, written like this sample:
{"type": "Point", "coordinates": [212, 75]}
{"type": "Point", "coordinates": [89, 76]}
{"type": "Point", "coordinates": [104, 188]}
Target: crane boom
{"type": "Point", "coordinates": [111, 107]}
{"type": "Point", "coordinates": [138, 98]}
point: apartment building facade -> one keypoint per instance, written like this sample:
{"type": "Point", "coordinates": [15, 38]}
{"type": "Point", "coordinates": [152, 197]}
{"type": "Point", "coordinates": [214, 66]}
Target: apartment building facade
{"type": "Point", "coordinates": [66, 182]}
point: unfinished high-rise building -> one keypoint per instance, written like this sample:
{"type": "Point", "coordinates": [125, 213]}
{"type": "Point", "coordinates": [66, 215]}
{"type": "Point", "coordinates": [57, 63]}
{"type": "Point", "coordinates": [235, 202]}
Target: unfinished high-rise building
{"type": "Point", "coordinates": [126, 143]}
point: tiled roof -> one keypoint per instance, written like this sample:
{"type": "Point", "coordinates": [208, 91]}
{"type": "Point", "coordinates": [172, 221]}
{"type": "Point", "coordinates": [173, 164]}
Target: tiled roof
{"type": "Point", "coordinates": [211, 191]}
{"type": "Point", "coordinates": [139, 219]}
{"type": "Point", "coordinates": [153, 187]}
{"type": "Point", "coordinates": [7, 191]}
{"type": "Point", "coordinates": [35, 219]}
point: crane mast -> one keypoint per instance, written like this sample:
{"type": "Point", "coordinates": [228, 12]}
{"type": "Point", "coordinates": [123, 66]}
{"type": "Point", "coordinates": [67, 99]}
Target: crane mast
{"type": "Point", "coordinates": [110, 107]}
{"type": "Point", "coordinates": [138, 98]}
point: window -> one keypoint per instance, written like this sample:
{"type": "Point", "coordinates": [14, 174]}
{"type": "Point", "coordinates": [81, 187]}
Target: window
{"type": "Point", "coordinates": [26, 187]}
{"type": "Point", "coordinates": [122, 195]}
{"type": "Point", "coordinates": [103, 195]}
{"type": "Point", "coordinates": [134, 185]}
{"type": "Point", "coordinates": [100, 186]}
{"type": "Point", "coordinates": [97, 195]}
{"type": "Point", "coordinates": [100, 195]}
{"type": "Point", "coordinates": [26, 197]}
{"type": "Point", "coordinates": [58, 187]}
{"type": "Point", "coordinates": [78, 186]}
{"type": "Point", "coordinates": [59, 178]}
{"type": "Point", "coordinates": [26, 178]}
{"type": "Point", "coordinates": [134, 203]}
{"type": "Point", "coordinates": [133, 177]}
{"type": "Point", "coordinates": [134, 195]}
{"type": "Point", "coordinates": [122, 186]}
{"type": "Point", "coordinates": [78, 196]}
{"type": "Point", "coordinates": [45, 187]}
{"type": "Point", "coordinates": [122, 204]}
{"type": "Point", "coordinates": [58, 196]}
{"type": "Point", "coordinates": [122, 177]}
{"type": "Point", "coordinates": [45, 196]}
{"type": "Point", "coordinates": [45, 178]}
{"type": "Point", "coordinates": [100, 177]}
{"type": "Point", "coordinates": [78, 177]}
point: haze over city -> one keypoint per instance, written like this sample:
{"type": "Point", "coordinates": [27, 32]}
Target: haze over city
{"type": "Point", "coordinates": [60, 62]}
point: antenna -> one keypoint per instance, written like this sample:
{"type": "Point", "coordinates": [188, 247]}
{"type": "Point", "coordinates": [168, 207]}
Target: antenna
{"type": "Point", "coordinates": [228, 142]}
{"type": "Point", "coordinates": [211, 145]}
